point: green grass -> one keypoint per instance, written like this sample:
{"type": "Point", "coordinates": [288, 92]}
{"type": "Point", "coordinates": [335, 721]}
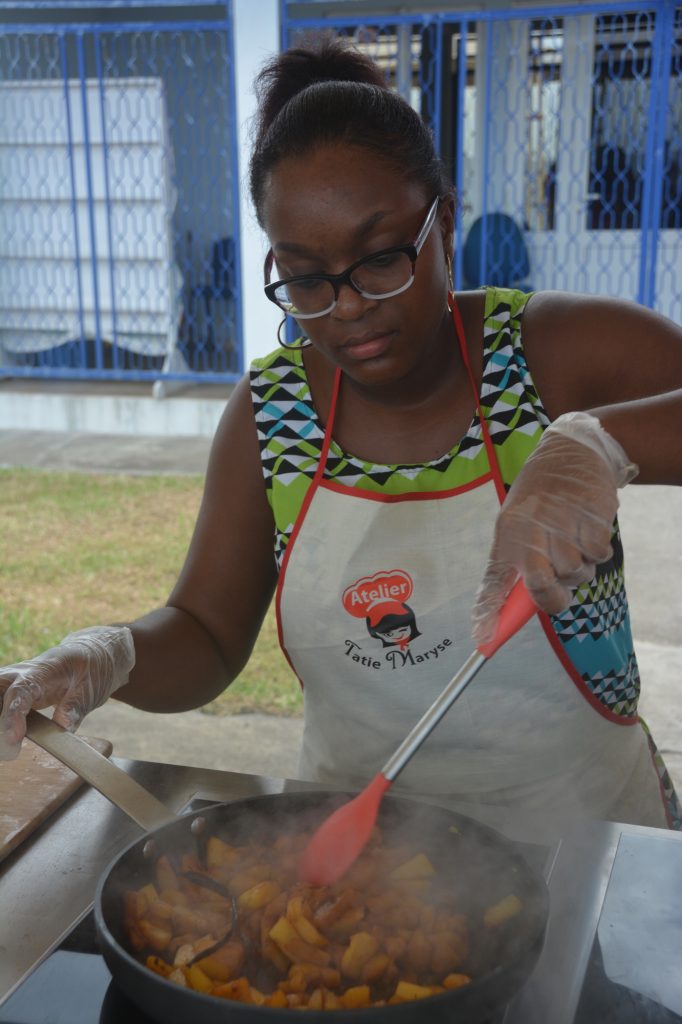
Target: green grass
{"type": "Point", "coordinates": [79, 549]}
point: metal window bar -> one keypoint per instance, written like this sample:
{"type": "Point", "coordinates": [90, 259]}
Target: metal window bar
{"type": "Point", "coordinates": [568, 120]}
{"type": "Point", "coordinates": [119, 250]}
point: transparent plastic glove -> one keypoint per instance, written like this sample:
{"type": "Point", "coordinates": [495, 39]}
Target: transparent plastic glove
{"type": "Point", "coordinates": [76, 676]}
{"type": "Point", "coordinates": [555, 525]}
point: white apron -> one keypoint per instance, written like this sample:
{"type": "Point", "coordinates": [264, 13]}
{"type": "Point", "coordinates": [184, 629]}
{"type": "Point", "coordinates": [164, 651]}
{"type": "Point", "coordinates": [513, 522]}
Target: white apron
{"type": "Point", "coordinates": [374, 602]}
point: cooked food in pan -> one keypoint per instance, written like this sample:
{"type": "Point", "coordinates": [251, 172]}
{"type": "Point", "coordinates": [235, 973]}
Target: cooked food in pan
{"type": "Point", "coordinates": [236, 923]}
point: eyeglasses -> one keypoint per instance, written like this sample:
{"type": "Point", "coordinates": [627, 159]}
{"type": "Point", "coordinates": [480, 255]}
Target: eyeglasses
{"type": "Point", "coordinates": [378, 276]}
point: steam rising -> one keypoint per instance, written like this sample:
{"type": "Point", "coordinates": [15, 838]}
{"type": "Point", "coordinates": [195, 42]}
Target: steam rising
{"type": "Point", "coordinates": [475, 868]}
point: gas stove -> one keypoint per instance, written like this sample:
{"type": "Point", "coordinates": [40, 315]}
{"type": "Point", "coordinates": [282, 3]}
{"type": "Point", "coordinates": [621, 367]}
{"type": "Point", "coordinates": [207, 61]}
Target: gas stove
{"type": "Point", "coordinates": [611, 953]}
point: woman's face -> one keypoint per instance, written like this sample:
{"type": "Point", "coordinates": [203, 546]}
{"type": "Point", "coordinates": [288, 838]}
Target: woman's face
{"type": "Point", "coordinates": [336, 205]}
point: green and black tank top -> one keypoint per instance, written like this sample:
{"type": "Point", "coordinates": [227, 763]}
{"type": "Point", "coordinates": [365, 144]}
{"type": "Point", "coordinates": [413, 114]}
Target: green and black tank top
{"type": "Point", "coordinates": [594, 632]}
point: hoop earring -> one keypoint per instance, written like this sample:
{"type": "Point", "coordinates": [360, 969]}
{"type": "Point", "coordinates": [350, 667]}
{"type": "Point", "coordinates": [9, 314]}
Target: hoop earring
{"type": "Point", "coordinates": [298, 343]}
{"type": "Point", "coordinates": [450, 297]}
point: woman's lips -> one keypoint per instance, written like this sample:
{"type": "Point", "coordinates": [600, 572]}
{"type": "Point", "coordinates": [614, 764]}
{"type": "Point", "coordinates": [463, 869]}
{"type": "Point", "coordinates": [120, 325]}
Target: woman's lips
{"type": "Point", "coordinates": [368, 347]}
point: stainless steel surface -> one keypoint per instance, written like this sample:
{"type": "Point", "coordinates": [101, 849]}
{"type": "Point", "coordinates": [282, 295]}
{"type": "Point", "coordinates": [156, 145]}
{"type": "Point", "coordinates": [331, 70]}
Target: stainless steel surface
{"type": "Point", "coordinates": [140, 805]}
{"type": "Point", "coordinates": [48, 884]}
{"type": "Point", "coordinates": [430, 719]}
{"type": "Point", "coordinates": [577, 876]}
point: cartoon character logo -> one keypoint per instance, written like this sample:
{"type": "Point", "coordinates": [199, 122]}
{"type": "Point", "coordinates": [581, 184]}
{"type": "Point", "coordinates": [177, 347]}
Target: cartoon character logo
{"type": "Point", "coordinates": [381, 600]}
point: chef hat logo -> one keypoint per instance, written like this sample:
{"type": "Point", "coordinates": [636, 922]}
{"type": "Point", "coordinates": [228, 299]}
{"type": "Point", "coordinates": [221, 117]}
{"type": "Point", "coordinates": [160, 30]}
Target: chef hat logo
{"type": "Point", "coordinates": [374, 597]}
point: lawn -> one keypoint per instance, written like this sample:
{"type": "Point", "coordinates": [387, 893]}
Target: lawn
{"type": "Point", "coordinates": [79, 549]}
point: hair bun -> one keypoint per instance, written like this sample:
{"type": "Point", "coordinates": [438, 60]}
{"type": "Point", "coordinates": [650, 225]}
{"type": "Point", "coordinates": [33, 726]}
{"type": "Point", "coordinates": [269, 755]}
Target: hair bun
{"type": "Point", "coordinates": [320, 58]}
{"type": "Point", "coordinates": [326, 92]}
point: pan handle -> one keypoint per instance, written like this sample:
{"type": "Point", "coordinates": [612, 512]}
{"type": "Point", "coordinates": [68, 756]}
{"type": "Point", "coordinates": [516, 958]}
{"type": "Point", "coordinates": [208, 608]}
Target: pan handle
{"type": "Point", "coordinates": [112, 782]}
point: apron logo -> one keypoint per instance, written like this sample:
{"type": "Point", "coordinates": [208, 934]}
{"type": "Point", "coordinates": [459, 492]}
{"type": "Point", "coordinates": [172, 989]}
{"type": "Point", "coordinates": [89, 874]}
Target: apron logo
{"type": "Point", "coordinates": [381, 600]}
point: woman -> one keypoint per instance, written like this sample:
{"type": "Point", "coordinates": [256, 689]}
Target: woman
{"type": "Point", "coordinates": [374, 459]}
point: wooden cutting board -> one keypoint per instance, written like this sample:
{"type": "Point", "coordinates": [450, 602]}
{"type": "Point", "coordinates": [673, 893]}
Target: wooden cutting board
{"type": "Point", "coordinates": [32, 787]}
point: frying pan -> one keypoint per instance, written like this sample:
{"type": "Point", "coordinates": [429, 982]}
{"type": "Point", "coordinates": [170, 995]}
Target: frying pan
{"type": "Point", "coordinates": [478, 863]}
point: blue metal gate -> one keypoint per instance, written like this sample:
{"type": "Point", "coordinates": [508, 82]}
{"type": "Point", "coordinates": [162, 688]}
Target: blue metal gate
{"type": "Point", "coordinates": [562, 128]}
{"type": "Point", "coordinates": [119, 213]}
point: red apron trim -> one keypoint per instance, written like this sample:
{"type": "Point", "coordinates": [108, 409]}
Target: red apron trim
{"type": "Point", "coordinates": [492, 457]}
{"type": "Point", "coordinates": [549, 630]}
{"type": "Point", "coordinates": [331, 416]}
{"type": "Point", "coordinates": [303, 511]}
{"type": "Point", "coordinates": [365, 495]}
{"type": "Point", "coordinates": [280, 637]}
{"type": "Point", "coordinates": [494, 474]}
{"type": "Point", "coordinates": [664, 796]}
{"type": "Point", "coordinates": [576, 678]}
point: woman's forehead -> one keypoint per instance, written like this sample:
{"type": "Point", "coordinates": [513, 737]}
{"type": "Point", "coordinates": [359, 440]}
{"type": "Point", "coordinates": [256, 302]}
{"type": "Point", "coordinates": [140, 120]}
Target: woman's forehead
{"type": "Point", "coordinates": [337, 189]}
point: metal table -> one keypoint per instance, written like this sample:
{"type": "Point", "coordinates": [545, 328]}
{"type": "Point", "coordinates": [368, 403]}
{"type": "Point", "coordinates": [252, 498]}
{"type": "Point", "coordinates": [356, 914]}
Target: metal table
{"type": "Point", "coordinates": [47, 885]}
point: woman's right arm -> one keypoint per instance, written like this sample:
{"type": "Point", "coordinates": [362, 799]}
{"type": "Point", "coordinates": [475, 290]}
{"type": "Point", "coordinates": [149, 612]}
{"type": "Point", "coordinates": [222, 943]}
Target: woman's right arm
{"type": "Point", "coordinates": [185, 654]}
{"type": "Point", "coordinates": [189, 651]}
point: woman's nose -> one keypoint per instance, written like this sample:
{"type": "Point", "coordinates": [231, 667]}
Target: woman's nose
{"type": "Point", "coordinates": [350, 304]}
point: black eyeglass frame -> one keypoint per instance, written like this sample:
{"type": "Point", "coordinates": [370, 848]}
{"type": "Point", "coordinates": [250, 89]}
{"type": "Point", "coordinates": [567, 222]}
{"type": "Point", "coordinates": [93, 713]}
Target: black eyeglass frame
{"type": "Point", "coordinates": [345, 277]}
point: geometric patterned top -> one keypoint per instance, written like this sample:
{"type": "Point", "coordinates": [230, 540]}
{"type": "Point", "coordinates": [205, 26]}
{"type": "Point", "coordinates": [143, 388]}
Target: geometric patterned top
{"type": "Point", "coordinates": [594, 633]}
{"type": "Point", "coordinates": [291, 436]}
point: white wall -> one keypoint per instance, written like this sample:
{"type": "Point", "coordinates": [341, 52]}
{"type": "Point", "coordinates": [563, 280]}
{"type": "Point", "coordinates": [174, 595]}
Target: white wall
{"type": "Point", "coordinates": [256, 37]}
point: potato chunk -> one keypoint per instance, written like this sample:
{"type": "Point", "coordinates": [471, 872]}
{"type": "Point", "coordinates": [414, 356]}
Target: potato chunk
{"type": "Point", "coordinates": [259, 895]}
{"type": "Point", "coordinates": [293, 946]}
{"type": "Point", "coordinates": [502, 911]}
{"type": "Point", "coordinates": [417, 868]}
{"type": "Point", "coordinates": [361, 947]}
{"type": "Point", "coordinates": [388, 932]}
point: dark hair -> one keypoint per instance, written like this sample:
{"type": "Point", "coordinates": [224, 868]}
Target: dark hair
{"type": "Point", "coordinates": [329, 92]}
{"type": "Point", "coordinates": [393, 621]}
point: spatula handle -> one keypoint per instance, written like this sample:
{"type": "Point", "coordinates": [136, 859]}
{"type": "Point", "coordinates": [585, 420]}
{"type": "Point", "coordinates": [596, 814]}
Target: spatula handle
{"type": "Point", "coordinates": [430, 719]}
{"type": "Point", "coordinates": [123, 791]}
{"type": "Point", "coordinates": [518, 609]}
{"type": "Point", "coordinates": [516, 612]}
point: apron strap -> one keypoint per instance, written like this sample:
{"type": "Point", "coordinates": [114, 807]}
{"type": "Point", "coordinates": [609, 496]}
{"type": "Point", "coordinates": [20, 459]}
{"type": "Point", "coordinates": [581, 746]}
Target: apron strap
{"type": "Point", "coordinates": [487, 440]}
{"type": "Point", "coordinates": [328, 429]}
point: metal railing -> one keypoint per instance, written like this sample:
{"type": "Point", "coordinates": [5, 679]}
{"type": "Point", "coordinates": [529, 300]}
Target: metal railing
{"type": "Point", "coordinates": [562, 128]}
{"type": "Point", "coordinates": [119, 213]}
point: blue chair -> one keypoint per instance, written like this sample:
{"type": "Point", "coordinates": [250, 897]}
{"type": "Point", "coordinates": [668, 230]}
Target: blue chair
{"type": "Point", "coordinates": [205, 337]}
{"type": "Point", "coordinates": [506, 254]}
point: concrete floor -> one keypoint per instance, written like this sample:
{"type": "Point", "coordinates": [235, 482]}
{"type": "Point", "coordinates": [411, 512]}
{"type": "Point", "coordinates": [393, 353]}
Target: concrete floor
{"type": "Point", "coordinates": [650, 519]}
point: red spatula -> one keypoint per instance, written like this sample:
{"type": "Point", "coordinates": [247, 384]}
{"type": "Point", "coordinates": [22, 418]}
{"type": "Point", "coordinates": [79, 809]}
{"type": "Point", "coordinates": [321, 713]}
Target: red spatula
{"type": "Point", "coordinates": [340, 839]}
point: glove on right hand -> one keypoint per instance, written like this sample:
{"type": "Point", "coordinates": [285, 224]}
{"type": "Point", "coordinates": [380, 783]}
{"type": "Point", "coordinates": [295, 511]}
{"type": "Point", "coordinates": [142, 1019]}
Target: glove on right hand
{"type": "Point", "coordinates": [556, 521]}
{"type": "Point", "coordinates": [76, 676]}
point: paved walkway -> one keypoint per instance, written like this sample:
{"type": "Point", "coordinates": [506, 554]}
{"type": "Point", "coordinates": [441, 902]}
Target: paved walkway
{"type": "Point", "coordinates": [650, 522]}
{"type": "Point", "coordinates": [105, 453]}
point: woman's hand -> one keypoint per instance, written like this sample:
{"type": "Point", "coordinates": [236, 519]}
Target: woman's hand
{"type": "Point", "coordinates": [76, 676]}
{"type": "Point", "coordinates": [555, 525]}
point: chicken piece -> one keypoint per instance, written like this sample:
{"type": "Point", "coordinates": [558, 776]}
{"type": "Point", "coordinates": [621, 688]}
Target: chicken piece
{"type": "Point", "coordinates": [225, 962]}
{"type": "Point", "coordinates": [456, 980]}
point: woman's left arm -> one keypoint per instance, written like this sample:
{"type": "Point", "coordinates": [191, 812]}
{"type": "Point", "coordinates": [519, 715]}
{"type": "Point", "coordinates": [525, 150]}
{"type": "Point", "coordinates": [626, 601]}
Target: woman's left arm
{"type": "Point", "coordinates": [610, 378]}
{"type": "Point", "coordinates": [650, 431]}
{"type": "Point", "coordinates": [617, 360]}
